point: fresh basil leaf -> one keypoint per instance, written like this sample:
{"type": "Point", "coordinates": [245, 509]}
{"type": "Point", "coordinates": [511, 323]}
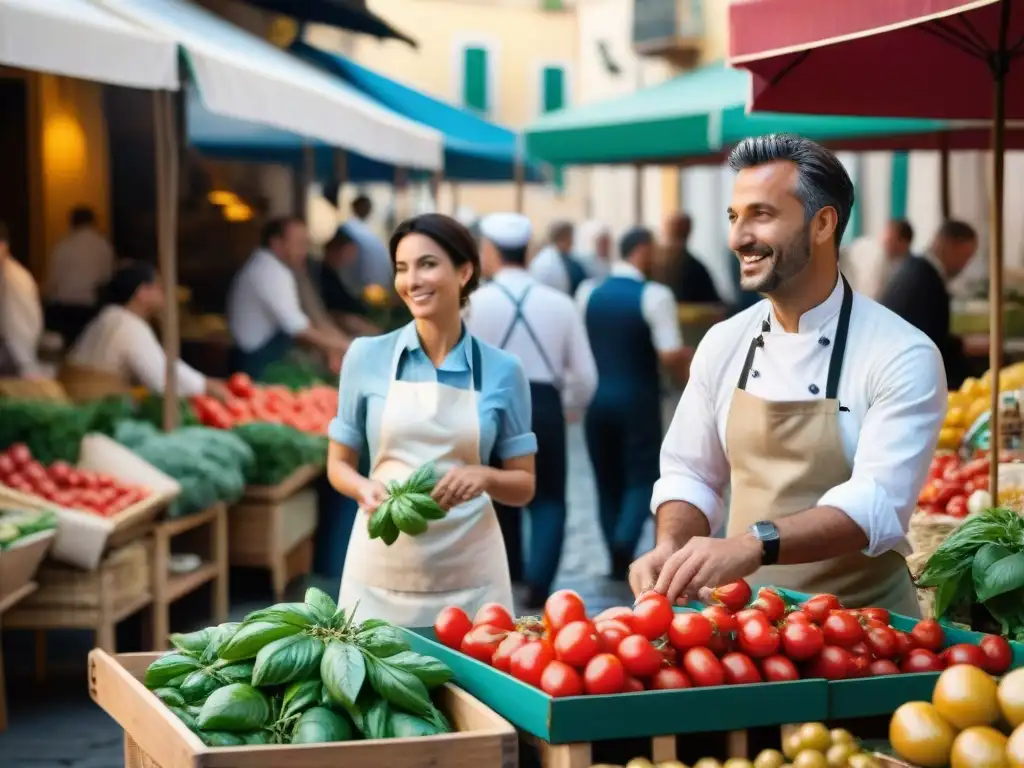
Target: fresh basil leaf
{"type": "Point", "coordinates": [426, 506]}
{"type": "Point", "coordinates": [299, 614]}
{"type": "Point", "coordinates": [404, 726]}
{"type": "Point", "coordinates": [251, 637]}
{"type": "Point", "coordinates": [1003, 576]}
{"type": "Point", "coordinates": [400, 687]}
{"type": "Point", "coordinates": [431, 672]}
{"type": "Point", "coordinates": [389, 532]}
{"type": "Point", "coordinates": [234, 671]}
{"type": "Point", "coordinates": [407, 519]}
{"type": "Point", "coordinates": [378, 718]}
{"type": "Point", "coordinates": [200, 684]}
{"type": "Point", "coordinates": [343, 671]}
{"type": "Point", "coordinates": [288, 659]}
{"type": "Point", "coordinates": [170, 696]}
{"type": "Point", "coordinates": [357, 712]}
{"type": "Point", "coordinates": [193, 643]}
{"type": "Point", "coordinates": [378, 522]}
{"type": "Point", "coordinates": [321, 603]}
{"type": "Point", "coordinates": [382, 640]}
{"type": "Point", "coordinates": [165, 669]}
{"type": "Point", "coordinates": [986, 557]}
{"type": "Point", "coordinates": [321, 725]}
{"type": "Point", "coordinates": [949, 592]}
{"type": "Point", "coordinates": [299, 697]}
{"type": "Point", "coordinates": [218, 639]}
{"type": "Point", "coordinates": [238, 708]}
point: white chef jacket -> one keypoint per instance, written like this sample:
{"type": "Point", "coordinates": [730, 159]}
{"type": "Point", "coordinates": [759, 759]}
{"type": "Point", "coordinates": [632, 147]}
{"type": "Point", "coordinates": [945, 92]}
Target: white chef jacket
{"type": "Point", "coordinates": [657, 303]}
{"type": "Point", "coordinates": [547, 267]}
{"type": "Point", "coordinates": [21, 315]}
{"type": "Point", "coordinates": [892, 382]}
{"type": "Point", "coordinates": [264, 299]}
{"type": "Point", "coordinates": [81, 263]}
{"type": "Point", "coordinates": [119, 341]}
{"type": "Point", "coordinates": [558, 327]}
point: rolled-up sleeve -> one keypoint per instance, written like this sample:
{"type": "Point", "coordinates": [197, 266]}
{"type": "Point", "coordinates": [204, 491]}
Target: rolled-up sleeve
{"type": "Point", "coordinates": [662, 315]}
{"type": "Point", "coordinates": [894, 448]}
{"type": "Point", "coordinates": [515, 431]}
{"type": "Point", "coordinates": [694, 467]}
{"type": "Point", "coordinates": [279, 292]}
{"type": "Point", "coordinates": [348, 428]}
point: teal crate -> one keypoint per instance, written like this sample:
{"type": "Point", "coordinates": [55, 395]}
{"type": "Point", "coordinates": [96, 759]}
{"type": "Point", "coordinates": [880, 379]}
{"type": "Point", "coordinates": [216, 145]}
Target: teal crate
{"type": "Point", "coordinates": [632, 715]}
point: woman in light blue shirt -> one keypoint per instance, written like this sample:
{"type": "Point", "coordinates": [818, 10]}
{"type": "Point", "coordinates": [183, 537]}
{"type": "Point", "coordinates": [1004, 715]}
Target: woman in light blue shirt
{"type": "Point", "coordinates": [430, 392]}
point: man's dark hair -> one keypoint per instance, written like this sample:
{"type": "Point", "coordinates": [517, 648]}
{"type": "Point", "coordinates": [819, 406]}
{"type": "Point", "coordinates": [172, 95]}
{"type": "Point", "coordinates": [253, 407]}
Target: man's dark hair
{"type": "Point", "coordinates": [515, 256]}
{"type": "Point", "coordinates": [5, 233]}
{"type": "Point", "coordinates": [362, 206]}
{"type": "Point", "coordinates": [822, 181]}
{"type": "Point", "coordinates": [633, 239]}
{"type": "Point", "coordinates": [340, 239]}
{"type": "Point", "coordinates": [560, 229]}
{"type": "Point", "coordinates": [904, 231]}
{"type": "Point", "coordinates": [276, 228]}
{"type": "Point", "coordinates": [82, 216]}
{"type": "Point", "coordinates": [958, 231]}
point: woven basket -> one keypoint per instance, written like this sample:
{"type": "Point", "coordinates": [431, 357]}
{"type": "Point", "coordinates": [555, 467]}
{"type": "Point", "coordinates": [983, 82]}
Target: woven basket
{"type": "Point", "coordinates": [928, 531]}
{"type": "Point", "coordinates": [62, 586]}
{"type": "Point", "coordinates": [925, 595]}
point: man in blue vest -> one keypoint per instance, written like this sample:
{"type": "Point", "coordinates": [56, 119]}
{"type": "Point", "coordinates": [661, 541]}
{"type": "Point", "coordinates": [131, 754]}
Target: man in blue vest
{"type": "Point", "coordinates": [633, 327]}
{"type": "Point", "coordinates": [540, 326]}
{"type": "Point", "coordinates": [555, 265]}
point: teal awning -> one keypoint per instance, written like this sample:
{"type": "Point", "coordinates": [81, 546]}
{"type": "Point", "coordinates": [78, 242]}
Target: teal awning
{"type": "Point", "coordinates": [697, 114]}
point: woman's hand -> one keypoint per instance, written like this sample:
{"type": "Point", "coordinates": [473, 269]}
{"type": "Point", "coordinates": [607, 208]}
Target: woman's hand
{"type": "Point", "coordinates": [371, 495]}
{"type": "Point", "coordinates": [460, 485]}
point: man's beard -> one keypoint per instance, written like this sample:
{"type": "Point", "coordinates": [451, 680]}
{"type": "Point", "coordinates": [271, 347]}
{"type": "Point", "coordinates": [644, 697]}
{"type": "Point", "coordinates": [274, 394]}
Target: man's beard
{"type": "Point", "coordinates": [786, 262]}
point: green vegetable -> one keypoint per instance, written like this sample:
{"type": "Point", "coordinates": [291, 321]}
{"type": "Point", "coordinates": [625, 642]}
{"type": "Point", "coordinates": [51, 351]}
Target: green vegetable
{"type": "Point", "coordinates": [222, 739]}
{"type": "Point", "coordinates": [218, 638]}
{"type": "Point", "coordinates": [431, 672]}
{"type": "Point", "coordinates": [199, 684]}
{"type": "Point", "coordinates": [408, 508]}
{"type": "Point", "coordinates": [343, 671]}
{"type": "Point", "coordinates": [299, 614]}
{"type": "Point", "coordinates": [300, 696]}
{"type": "Point", "coordinates": [170, 697]}
{"type": "Point", "coordinates": [166, 668]}
{"type": "Point", "coordinates": [323, 606]}
{"type": "Point", "coordinates": [378, 721]}
{"type": "Point", "coordinates": [279, 451]}
{"type": "Point", "coordinates": [250, 638]}
{"type": "Point", "coordinates": [193, 643]}
{"type": "Point", "coordinates": [183, 715]}
{"type": "Point", "coordinates": [319, 725]}
{"type": "Point", "coordinates": [17, 525]}
{"type": "Point", "coordinates": [404, 726]}
{"type": "Point", "coordinates": [399, 686]}
{"type": "Point", "coordinates": [236, 708]}
{"type": "Point", "coordinates": [237, 672]}
{"type": "Point", "coordinates": [290, 658]}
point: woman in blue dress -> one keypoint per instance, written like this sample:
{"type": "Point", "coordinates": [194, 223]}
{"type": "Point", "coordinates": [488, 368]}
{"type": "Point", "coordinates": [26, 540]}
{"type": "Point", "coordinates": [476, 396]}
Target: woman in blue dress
{"type": "Point", "coordinates": [430, 392]}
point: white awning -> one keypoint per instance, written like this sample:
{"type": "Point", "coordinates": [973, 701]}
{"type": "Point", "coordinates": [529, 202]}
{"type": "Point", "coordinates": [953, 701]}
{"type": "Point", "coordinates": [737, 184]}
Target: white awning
{"type": "Point", "coordinates": [78, 39]}
{"type": "Point", "coordinates": [242, 76]}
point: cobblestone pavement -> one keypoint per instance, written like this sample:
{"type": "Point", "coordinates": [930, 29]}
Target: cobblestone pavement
{"type": "Point", "coordinates": [54, 724]}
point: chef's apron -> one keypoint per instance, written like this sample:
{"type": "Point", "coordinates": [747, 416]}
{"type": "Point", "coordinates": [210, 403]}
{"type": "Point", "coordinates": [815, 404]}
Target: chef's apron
{"type": "Point", "coordinates": [547, 509]}
{"type": "Point", "coordinates": [460, 559]}
{"type": "Point", "coordinates": [784, 456]}
{"type": "Point", "coordinates": [255, 362]}
{"type": "Point", "coordinates": [85, 383]}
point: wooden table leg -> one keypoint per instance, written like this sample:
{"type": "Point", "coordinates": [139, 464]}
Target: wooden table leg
{"type": "Point", "coordinates": [220, 554]}
{"type": "Point", "coordinates": [161, 619]}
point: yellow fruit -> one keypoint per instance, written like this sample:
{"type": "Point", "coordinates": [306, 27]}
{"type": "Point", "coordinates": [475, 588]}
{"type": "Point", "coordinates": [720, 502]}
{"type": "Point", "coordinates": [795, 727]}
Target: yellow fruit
{"type": "Point", "coordinates": [976, 409]}
{"type": "Point", "coordinates": [1015, 748]}
{"type": "Point", "coordinates": [971, 387]}
{"type": "Point", "coordinates": [738, 762]}
{"type": "Point", "coordinates": [838, 755]}
{"type": "Point", "coordinates": [841, 736]}
{"type": "Point", "coordinates": [966, 695]}
{"type": "Point", "coordinates": [792, 745]}
{"type": "Point", "coordinates": [979, 747]}
{"type": "Point", "coordinates": [810, 758]}
{"type": "Point", "coordinates": [955, 417]}
{"type": "Point", "coordinates": [707, 762]}
{"type": "Point", "coordinates": [815, 736]}
{"type": "Point", "coordinates": [950, 438]}
{"type": "Point", "coordinates": [1011, 696]}
{"type": "Point", "coordinates": [671, 764]}
{"type": "Point", "coordinates": [957, 400]}
{"type": "Point", "coordinates": [639, 762]}
{"type": "Point", "coordinates": [863, 761]}
{"type": "Point", "coordinates": [920, 736]}
{"type": "Point", "coordinates": [769, 758]}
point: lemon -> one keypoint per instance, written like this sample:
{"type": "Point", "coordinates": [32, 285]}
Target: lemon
{"type": "Point", "coordinates": [838, 755]}
{"type": "Point", "coordinates": [841, 736]}
{"type": "Point", "coordinates": [1011, 696]}
{"type": "Point", "coordinates": [738, 762]}
{"type": "Point", "coordinates": [810, 758]}
{"type": "Point", "coordinates": [965, 695]}
{"type": "Point", "coordinates": [1015, 748]}
{"type": "Point", "coordinates": [920, 736]}
{"type": "Point", "coordinates": [769, 758]}
{"type": "Point", "coordinates": [815, 736]}
{"type": "Point", "coordinates": [707, 762]}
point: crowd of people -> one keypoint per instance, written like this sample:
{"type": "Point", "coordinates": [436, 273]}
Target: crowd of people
{"type": "Point", "coordinates": [816, 406]}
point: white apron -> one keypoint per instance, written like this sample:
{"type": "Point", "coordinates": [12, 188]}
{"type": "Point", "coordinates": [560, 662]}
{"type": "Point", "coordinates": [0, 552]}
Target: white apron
{"type": "Point", "coordinates": [459, 560]}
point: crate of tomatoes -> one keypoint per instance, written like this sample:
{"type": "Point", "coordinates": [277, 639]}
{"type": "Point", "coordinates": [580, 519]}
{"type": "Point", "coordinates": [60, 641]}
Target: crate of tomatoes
{"type": "Point", "coordinates": [101, 502]}
{"type": "Point", "coordinates": [569, 676]}
{"type": "Point", "coordinates": [307, 410]}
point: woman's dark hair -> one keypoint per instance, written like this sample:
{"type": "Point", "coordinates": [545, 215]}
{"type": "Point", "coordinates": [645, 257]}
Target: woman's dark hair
{"type": "Point", "coordinates": [455, 240]}
{"type": "Point", "coordinates": [127, 279]}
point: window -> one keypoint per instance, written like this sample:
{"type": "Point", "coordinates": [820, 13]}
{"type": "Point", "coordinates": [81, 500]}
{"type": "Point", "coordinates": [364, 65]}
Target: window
{"type": "Point", "coordinates": [475, 79]}
{"type": "Point", "coordinates": [552, 96]}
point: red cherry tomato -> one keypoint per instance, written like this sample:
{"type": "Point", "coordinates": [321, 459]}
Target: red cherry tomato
{"type": "Point", "coordinates": [778, 669]}
{"type": "Point", "coordinates": [604, 674]}
{"type": "Point", "coordinates": [496, 615]}
{"type": "Point", "coordinates": [739, 669]}
{"type": "Point", "coordinates": [904, 643]}
{"type": "Point", "coordinates": [618, 613]}
{"type": "Point", "coordinates": [758, 638]}
{"type": "Point", "coordinates": [19, 454]}
{"type": "Point", "coordinates": [733, 596]}
{"type": "Point", "coordinates": [611, 632]}
{"type": "Point", "coordinates": [668, 678]}
{"type": "Point", "coordinates": [957, 506]}
{"type": "Point", "coordinates": [843, 629]}
{"type": "Point", "coordinates": [833, 663]}
{"type": "Point", "coordinates": [820, 606]}
{"type": "Point", "coordinates": [451, 625]}
{"type": "Point", "coordinates": [883, 667]}
{"type": "Point", "coordinates": [882, 642]}
{"type": "Point", "coordinates": [797, 616]}
{"type": "Point", "coordinates": [652, 616]}
{"type": "Point", "coordinates": [750, 614]}
{"type": "Point", "coordinates": [632, 685]}
{"type": "Point", "coordinates": [528, 663]}
{"type": "Point", "coordinates": [928, 634]}
{"type": "Point", "coordinates": [703, 667]}
{"type": "Point", "coordinates": [502, 658]}
{"type": "Point", "coordinates": [860, 666]}
{"type": "Point", "coordinates": [690, 630]}
{"type": "Point", "coordinates": [721, 618]}
{"type": "Point", "coordinates": [802, 641]}
{"type": "Point", "coordinates": [922, 660]}
{"type": "Point", "coordinates": [998, 654]}
{"type": "Point", "coordinates": [577, 644]}
{"type": "Point", "coordinates": [560, 680]}
{"type": "Point", "coordinates": [563, 607]}
{"type": "Point", "coordinates": [721, 644]}
{"type": "Point", "coordinates": [770, 603]}
{"type": "Point", "coordinates": [639, 657]}
{"type": "Point", "coordinates": [878, 614]}
{"type": "Point", "coordinates": [482, 641]}
{"type": "Point", "coordinates": [964, 653]}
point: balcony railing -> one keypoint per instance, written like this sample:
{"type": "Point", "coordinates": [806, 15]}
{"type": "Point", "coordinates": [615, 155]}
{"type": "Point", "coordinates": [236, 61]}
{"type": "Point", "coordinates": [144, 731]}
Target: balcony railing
{"type": "Point", "coordinates": [672, 28]}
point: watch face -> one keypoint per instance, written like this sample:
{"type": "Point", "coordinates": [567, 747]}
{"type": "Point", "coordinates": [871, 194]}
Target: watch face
{"type": "Point", "coordinates": [765, 530]}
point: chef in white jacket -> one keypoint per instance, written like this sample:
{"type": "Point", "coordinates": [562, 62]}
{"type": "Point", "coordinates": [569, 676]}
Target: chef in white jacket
{"type": "Point", "coordinates": [21, 313]}
{"type": "Point", "coordinates": [820, 408]}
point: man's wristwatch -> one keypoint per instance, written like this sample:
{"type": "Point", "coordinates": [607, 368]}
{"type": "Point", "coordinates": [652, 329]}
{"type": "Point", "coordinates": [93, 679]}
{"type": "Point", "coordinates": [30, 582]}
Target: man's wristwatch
{"type": "Point", "coordinates": [767, 533]}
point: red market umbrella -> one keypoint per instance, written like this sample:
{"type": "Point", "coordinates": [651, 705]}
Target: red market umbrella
{"type": "Point", "coordinates": [948, 59]}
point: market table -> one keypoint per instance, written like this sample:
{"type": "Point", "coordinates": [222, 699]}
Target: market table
{"type": "Point", "coordinates": [7, 602]}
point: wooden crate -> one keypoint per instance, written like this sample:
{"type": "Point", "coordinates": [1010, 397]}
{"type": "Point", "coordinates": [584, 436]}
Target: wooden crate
{"type": "Point", "coordinates": [33, 389]}
{"type": "Point", "coordinates": [7, 602]}
{"type": "Point", "coordinates": [272, 527]}
{"type": "Point", "coordinates": [98, 600]}
{"type": "Point", "coordinates": [154, 738]}
{"type": "Point", "coordinates": [18, 565]}
{"type": "Point", "coordinates": [206, 531]}
{"type": "Point", "coordinates": [658, 749]}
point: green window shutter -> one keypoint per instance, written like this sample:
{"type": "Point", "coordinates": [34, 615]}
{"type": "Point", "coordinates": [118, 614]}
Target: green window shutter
{"type": "Point", "coordinates": [475, 79]}
{"type": "Point", "coordinates": [553, 5]}
{"type": "Point", "coordinates": [552, 99]}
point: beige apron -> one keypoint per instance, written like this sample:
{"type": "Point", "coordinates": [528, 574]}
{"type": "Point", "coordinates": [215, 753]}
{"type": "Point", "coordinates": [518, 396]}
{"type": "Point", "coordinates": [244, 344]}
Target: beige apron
{"type": "Point", "coordinates": [86, 383]}
{"type": "Point", "coordinates": [459, 560]}
{"type": "Point", "coordinates": [784, 456]}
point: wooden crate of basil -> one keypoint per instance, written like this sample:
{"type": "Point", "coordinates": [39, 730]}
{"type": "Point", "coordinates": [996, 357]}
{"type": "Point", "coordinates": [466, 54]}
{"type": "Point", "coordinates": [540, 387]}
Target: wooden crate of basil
{"type": "Point", "coordinates": [301, 684]}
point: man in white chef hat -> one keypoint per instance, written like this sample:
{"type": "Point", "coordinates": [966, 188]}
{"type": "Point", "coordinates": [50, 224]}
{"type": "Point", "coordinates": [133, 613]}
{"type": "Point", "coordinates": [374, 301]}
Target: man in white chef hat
{"type": "Point", "coordinates": [540, 326]}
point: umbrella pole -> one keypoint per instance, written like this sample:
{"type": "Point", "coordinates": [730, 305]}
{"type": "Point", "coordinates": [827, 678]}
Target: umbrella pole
{"type": "Point", "coordinates": [166, 141]}
{"type": "Point", "coordinates": [944, 180]}
{"type": "Point", "coordinates": [995, 270]}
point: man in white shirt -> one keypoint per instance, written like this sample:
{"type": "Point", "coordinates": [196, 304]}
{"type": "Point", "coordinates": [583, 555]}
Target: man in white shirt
{"type": "Point", "coordinates": [540, 326]}
{"type": "Point", "coordinates": [373, 265]}
{"type": "Point", "coordinates": [817, 406]}
{"type": "Point", "coordinates": [555, 265]}
{"type": "Point", "coordinates": [81, 263]}
{"type": "Point", "coordinates": [633, 327]}
{"type": "Point", "coordinates": [264, 310]}
{"type": "Point", "coordinates": [21, 315]}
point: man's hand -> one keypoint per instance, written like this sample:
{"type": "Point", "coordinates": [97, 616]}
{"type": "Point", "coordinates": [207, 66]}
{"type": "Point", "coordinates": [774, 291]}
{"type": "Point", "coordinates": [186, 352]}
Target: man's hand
{"type": "Point", "coordinates": [706, 562]}
{"type": "Point", "coordinates": [460, 485]}
{"type": "Point", "coordinates": [643, 573]}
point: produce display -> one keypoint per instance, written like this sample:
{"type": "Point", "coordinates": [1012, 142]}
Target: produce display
{"type": "Point", "coordinates": [811, 745]}
{"type": "Point", "coordinates": [150, 409]}
{"type": "Point", "coordinates": [65, 485]}
{"type": "Point", "coordinates": [19, 524]}
{"type": "Point", "coordinates": [294, 374]}
{"type": "Point", "coordinates": [735, 641]}
{"type": "Point", "coordinates": [299, 673]}
{"type": "Point", "coordinates": [408, 508]}
{"type": "Point", "coordinates": [209, 464]}
{"type": "Point", "coordinates": [279, 451]}
{"type": "Point", "coordinates": [53, 431]}
{"type": "Point", "coordinates": [972, 721]}
{"type": "Point", "coordinates": [955, 488]}
{"type": "Point", "coordinates": [982, 561]}
{"type": "Point", "coordinates": [307, 410]}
